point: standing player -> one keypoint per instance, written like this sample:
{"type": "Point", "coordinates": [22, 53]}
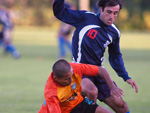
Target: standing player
{"type": "Point", "coordinates": [6, 26]}
{"type": "Point", "coordinates": [64, 39]}
{"type": "Point", "coordinates": [64, 34]}
{"type": "Point", "coordinates": [93, 34]}
{"type": "Point", "coordinates": [62, 91]}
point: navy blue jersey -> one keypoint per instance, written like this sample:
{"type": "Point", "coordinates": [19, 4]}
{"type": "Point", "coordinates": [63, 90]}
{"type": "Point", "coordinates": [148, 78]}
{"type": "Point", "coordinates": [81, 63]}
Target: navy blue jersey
{"type": "Point", "coordinates": [91, 38]}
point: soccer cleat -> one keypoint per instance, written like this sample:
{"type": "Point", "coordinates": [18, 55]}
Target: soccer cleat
{"type": "Point", "coordinates": [16, 54]}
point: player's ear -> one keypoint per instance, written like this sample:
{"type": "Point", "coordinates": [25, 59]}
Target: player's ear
{"type": "Point", "coordinates": [101, 9]}
{"type": "Point", "coordinates": [55, 78]}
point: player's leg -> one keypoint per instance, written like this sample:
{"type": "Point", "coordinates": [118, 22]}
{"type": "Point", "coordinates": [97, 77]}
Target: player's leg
{"type": "Point", "coordinates": [1, 42]}
{"type": "Point", "coordinates": [89, 89]}
{"type": "Point", "coordinates": [117, 104]}
{"type": "Point", "coordinates": [7, 45]}
{"type": "Point", "coordinates": [101, 109]}
{"type": "Point", "coordinates": [85, 107]}
{"type": "Point", "coordinates": [1, 39]}
{"type": "Point", "coordinates": [68, 43]}
{"type": "Point", "coordinates": [61, 42]}
{"type": "Point", "coordinates": [66, 34]}
{"type": "Point", "coordinates": [12, 50]}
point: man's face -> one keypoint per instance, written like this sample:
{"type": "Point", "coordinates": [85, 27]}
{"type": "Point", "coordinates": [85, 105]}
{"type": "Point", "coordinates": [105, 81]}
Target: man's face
{"type": "Point", "coordinates": [66, 79]}
{"type": "Point", "coordinates": [109, 14]}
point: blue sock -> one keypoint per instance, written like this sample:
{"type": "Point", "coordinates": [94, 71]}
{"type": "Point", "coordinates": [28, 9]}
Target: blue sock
{"type": "Point", "coordinates": [10, 48]}
{"type": "Point", "coordinates": [128, 112]}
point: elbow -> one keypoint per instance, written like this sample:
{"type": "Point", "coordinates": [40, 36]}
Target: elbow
{"type": "Point", "coordinates": [57, 14]}
{"type": "Point", "coordinates": [57, 9]}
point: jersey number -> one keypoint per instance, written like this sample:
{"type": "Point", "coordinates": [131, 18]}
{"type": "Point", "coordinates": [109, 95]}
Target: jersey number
{"type": "Point", "coordinates": [92, 33]}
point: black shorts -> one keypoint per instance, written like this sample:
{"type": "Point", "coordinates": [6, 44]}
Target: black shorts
{"type": "Point", "coordinates": [1, 35]}
{"type": "Point", "coordinates": [84, 107]}
{"type": "Point", "coordinates": [103, 89]}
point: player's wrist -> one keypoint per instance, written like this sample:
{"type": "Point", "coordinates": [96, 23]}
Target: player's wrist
{"type": "Point", "coordinates": [112, 86]}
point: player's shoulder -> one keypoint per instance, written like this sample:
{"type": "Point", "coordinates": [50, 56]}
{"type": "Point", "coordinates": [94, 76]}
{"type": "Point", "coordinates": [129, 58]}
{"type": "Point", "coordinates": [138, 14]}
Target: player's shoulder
{"type": "Point", "coordinates": [77, 67]}
{"type": "Point", "coordinates": [50, 87]}
{"type": "Point", "coordinates": [50, 83]}
{"type": "Point", "coordinates": [4, 16]}
{"type": "Point", "coordinates": [115, 29]}
{"type": "Point", "coordinates": [90, 13]}
{"type": "Point", "coordinates": [74, 65]}
{"type": "Point", "coordinates": [3, 12]}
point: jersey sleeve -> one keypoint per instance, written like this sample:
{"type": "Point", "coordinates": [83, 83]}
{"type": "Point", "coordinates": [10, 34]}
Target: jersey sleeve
{"type": "Point", "coordinates": [67, 15]}
{"type": "Point", "coordinates": [85, 69]}
{"type": "Point", "coordinates": [53, 105]}
{"type": "Point", "coordinates": [116, 60]}
{"type": "Point", "coordinates": [51, 99]}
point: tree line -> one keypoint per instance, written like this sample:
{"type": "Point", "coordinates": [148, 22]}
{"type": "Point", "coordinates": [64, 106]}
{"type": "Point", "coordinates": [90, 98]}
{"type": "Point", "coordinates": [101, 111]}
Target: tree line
{"type": "Point", "coordinates": [135, 14]}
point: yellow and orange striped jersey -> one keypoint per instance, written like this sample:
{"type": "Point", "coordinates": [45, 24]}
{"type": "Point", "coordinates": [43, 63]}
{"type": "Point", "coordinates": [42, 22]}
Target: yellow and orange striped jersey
{"type": "Point", "coordinates": [60, 99]}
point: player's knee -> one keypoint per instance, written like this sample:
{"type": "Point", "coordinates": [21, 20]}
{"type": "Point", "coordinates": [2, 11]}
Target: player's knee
{"type": "Point", "coordinates": [122, 106]}
{"type": "Point", "coordinates": [92, 94]}
{"type": "Point", "coordinates": [125, 106]}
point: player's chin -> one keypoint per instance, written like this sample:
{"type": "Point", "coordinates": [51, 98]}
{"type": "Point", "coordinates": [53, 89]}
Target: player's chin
{"type": "Point", "coordinates": [68, 84]}
{"type": "Point", "coordinates": [109, 23]}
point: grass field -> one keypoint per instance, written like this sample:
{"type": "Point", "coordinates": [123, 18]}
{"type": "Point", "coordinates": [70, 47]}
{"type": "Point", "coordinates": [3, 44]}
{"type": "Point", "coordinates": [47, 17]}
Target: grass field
{"type": "Point", "coordinates": [22, 81]}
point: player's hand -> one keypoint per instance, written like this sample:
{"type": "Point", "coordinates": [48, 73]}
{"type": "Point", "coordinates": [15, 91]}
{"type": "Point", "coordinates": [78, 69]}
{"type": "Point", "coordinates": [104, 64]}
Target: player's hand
{"type": "Point", "coordinates": [133, 84]}
{"type": "Point", "coordinates": [116, 91]}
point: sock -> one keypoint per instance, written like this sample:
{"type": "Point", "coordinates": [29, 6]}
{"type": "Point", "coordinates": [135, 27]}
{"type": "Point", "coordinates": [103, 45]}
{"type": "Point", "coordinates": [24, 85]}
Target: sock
{"type": "Point", "coordinates": [10, 48]}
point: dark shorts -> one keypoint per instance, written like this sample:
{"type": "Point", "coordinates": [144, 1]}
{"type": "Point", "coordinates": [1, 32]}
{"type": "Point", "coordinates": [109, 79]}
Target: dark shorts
{"type": "Point", "coordinates": [1, 35]}
{"type": "Point", "coordinates": [103, 89]}
{"type": "Point", "coordinates": [84, 107]}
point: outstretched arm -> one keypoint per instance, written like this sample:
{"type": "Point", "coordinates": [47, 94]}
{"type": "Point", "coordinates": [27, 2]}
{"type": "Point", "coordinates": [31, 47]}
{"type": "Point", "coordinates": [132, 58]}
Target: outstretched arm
{"type": "Point", "coordinates": [116, 60]}
{"type": "Point", "coordinates": [92, 70]}
{"type": "Point", "coordinates": [65, 14]}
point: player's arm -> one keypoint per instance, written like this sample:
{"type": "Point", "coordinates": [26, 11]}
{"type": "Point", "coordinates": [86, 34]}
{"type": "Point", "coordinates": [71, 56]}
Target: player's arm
{"type": "Point", "coordinates": [67, 15]}
{"type": "Point", "coordinates": [53, 105]}
{"type": "Point", "coordinates": [51, 98]}
{"type": "Point", "coordinates": [115, 91]}
{"type": "Point", "coordinates": [91, 70]}
{"type": "Point", "coordinates": [50, 106]}
{"type": "Point", "coordinates": [116, 60]}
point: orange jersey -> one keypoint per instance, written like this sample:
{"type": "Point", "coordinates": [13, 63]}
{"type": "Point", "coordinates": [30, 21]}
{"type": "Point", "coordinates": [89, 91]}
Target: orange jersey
{"type": "Point", "coordinates": [60, 99]}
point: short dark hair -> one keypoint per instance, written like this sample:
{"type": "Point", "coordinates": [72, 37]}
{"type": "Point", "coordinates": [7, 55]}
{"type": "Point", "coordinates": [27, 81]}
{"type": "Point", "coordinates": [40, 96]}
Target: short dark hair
{"type": "Point", "coordinates": [104, 3]}
{"type": "Point", "coordinates": [60, 68]}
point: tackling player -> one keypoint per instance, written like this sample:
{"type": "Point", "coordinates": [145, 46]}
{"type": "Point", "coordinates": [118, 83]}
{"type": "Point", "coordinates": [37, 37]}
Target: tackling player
{"type": "Point", "coordinates": [63, 88]}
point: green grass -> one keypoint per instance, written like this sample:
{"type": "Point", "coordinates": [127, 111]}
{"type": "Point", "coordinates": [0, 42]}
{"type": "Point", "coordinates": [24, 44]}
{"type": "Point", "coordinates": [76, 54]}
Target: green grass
{"type": "Point", "coordinates": [137, 63]}
{"type": "Point", "coordinates": [22, 81]}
